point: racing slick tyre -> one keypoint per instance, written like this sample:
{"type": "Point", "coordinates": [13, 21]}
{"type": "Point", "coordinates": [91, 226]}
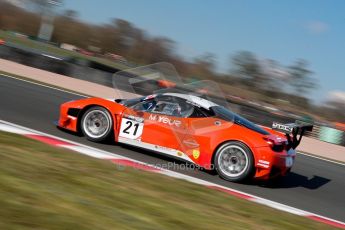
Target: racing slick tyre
{"type": "Point", "coordinates": [96, 124]}
{"type": "Point", "coordinates": [234, 161]}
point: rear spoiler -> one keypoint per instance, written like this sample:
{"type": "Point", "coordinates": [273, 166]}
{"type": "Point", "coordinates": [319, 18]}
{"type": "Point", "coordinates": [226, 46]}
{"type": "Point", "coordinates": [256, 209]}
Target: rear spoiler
{"type": "Point", "coordinates": [297, 128]}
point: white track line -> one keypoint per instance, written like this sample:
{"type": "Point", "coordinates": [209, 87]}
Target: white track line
{"type": "Point", "coordinates": [97, 153]}
{"type": "Point", "coordinates": [74, 93]}
{"type": "Point", "coordinates": [321, 158]}
{"type": "Point", "coordinates": [43, 85]}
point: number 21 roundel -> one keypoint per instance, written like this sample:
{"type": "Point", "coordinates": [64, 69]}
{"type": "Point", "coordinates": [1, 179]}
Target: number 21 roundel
{"type": "Point", "coordinates": [131, 128]}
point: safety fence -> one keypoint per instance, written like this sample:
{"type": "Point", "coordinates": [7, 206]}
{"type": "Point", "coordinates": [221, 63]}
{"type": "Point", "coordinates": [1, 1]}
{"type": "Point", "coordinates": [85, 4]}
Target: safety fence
{"type": "Point", "coordinates": [328, 134]}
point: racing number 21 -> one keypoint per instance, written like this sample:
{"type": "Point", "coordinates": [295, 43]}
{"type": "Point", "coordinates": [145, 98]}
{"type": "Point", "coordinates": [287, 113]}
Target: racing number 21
{"type": "Point", "coordinates": [130, 123]}
{"type": "Point", "coordinates": [131, 129]}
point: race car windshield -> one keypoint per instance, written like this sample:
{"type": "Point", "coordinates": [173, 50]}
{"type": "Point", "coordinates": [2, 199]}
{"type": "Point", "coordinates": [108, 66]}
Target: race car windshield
{"type": "Point", "coordinates": [161, 78]}
{"type": "Point", "coordinates": [227, 115]}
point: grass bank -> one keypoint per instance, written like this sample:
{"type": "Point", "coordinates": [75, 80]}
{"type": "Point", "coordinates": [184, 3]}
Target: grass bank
{"type": "Point", "coordinates": [42, 187]}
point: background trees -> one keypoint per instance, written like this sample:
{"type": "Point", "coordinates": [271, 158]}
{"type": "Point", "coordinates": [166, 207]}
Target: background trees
{"type": "Point", "coordinates": [246, 66]}
{"type": "Point", "coordinates": [269, 77]}
{"type": "Point", "coordinates": [300, 78]}
{"type": "Point", "coordinates": [255, 74]}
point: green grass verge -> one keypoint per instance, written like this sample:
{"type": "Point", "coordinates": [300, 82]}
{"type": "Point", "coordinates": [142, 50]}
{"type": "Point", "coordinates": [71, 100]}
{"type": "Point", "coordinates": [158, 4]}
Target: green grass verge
{"type": "Point", "coordinates": [42, 187]}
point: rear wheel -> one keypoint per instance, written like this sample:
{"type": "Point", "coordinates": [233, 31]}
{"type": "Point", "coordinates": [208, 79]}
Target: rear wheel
{"type": "Point", "coordinates": [96, 124]}
{"type": "Point", "coordinates": [234, 161]}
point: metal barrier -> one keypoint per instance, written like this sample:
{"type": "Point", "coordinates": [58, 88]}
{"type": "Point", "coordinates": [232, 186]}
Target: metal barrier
{"type": "Point", "coordinates": [328, 134]}
{"type": "Point", "coordinates": [331, 135]}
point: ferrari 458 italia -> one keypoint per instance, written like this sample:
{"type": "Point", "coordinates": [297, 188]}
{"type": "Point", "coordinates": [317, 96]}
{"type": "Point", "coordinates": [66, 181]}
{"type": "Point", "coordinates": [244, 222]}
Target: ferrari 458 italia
{"type": "Point", "coordinates": [190, 128]}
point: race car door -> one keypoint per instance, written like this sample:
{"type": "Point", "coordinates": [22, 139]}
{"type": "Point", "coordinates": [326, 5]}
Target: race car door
{"type": "Point", "coordinates": [156, 124]}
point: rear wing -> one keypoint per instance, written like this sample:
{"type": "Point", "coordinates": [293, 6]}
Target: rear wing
{"type": "Point", "coordinates": [292, 130]}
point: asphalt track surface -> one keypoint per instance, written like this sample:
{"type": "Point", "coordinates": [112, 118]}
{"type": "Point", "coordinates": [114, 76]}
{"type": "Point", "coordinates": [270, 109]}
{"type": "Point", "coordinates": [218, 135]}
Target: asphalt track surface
{"type": "Point", "coordinates": [313, 185]}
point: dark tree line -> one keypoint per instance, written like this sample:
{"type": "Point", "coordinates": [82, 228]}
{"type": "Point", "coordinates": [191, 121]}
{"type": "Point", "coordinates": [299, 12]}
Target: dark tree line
{"type": "Point", "coordinates": [263, 76]}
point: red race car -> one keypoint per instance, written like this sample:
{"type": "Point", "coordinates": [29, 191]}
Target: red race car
{"type": "Point", "coordinates": [190, 128]}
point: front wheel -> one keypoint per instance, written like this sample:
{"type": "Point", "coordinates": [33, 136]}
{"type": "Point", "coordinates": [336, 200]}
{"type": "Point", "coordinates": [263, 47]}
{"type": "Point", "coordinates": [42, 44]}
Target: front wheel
{"type": "Point", "coordinates": [234, 161]}
{"type": "Point", "coordinates": [96, 124]}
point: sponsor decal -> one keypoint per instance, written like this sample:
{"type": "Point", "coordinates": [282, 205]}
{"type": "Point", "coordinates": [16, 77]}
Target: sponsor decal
{"type": "Point", "coordinates": [282, 127]}
{"type": "Point", "coordinates": [131, 127]}
{"type": "Point", "coordinates": [159, 147]}
{"type": "Point", "coordinates": [133, 118]}
{"type": "Point", "coordinates": [196, 153]}
{"type": "Point", "coordinates": [191, 143]}
{"type": "Point", "coordinates": [165, 120]}
{"type": "Point", "coordinates": [263, 163]}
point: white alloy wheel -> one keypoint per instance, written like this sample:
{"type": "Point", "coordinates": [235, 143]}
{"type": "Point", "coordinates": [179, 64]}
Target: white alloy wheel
{"type": "Point", "coordinates": [234, 161]}
{"type": "Point", "coordinates": [96, 124]}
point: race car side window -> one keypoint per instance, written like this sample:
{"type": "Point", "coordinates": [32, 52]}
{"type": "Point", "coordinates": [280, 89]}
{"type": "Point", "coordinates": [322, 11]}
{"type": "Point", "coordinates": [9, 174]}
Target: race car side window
{"type": "Point", "coordinates": [168, 105]}
{"type": "Point", "coordinates": [131, 102]}
{"type": "Point", "coordinates": [144, 106]}
{"type": "Point", "coordinates": [197, 112]}
{"type": "Point", "coordinates": [167, 108]}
